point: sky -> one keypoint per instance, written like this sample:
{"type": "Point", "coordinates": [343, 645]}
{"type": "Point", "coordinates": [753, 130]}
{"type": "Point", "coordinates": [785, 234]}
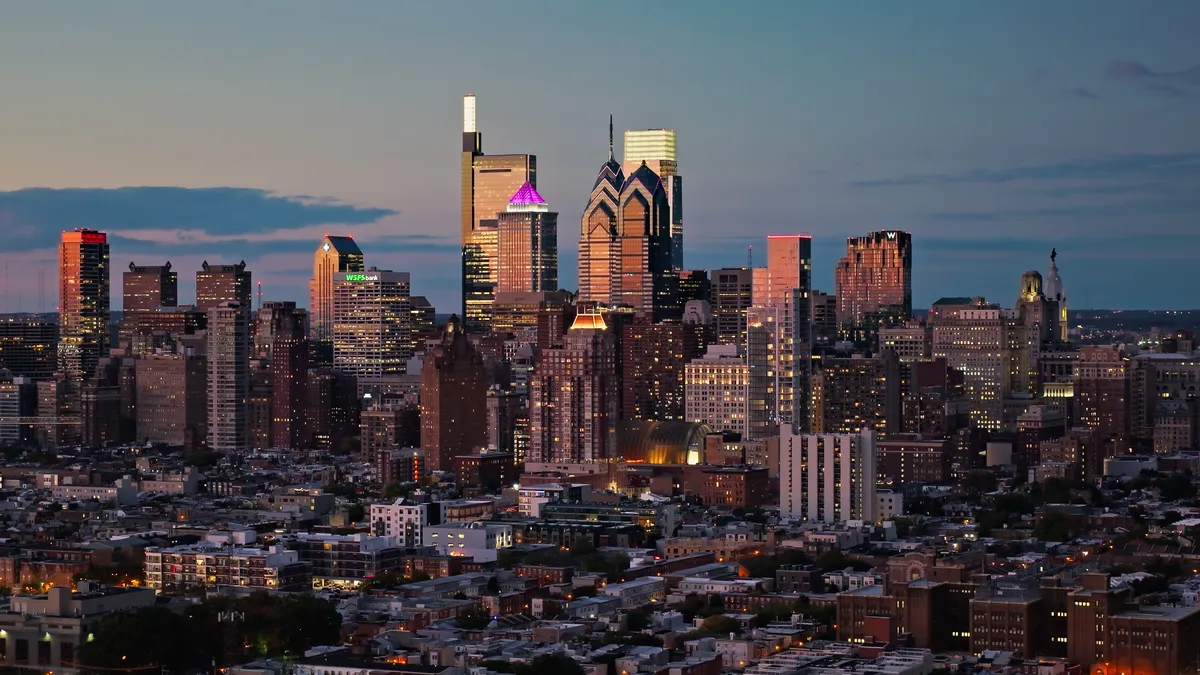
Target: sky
{"type": "Point", "coordinates": [226, 131]}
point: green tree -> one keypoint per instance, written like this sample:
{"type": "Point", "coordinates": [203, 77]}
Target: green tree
{"type": "Point", "coordinates": [1056, 491]}
{"type": "Point", "coordinates": [637, 619]}
{"type": "Point", "coordinates": [719, 624]}
{"type": "Point", "coordinates": [357, 513]}
{"type": "Point", "coordinates": [145, 637]}
{"type": "Point", "coordinates": [833, 560]}
{"type": "Point", "coordinates": [473, 619]}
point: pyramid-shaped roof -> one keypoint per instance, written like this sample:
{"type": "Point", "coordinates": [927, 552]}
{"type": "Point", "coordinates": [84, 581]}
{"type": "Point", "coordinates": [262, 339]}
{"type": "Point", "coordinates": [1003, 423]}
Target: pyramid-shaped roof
{"type": "Point", "coordinates": [527, 195]}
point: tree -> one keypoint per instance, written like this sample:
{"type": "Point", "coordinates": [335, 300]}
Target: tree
{"type": "Point", "coordinates": [1055, 491]}
{"type": "Point", "coordinates": [356, 513]}
{"type": "Point", "coordinates": [978, 483]}
{"type": "Point", "coordinates": [1053, 526]}
{"type": "Point", "coordinates": [201, 459]}
{"type": "Point", "coordinates": [473, 619]}
{"type": "Point", "coordinates": [833, 560]}
{"type": "Point", "coordinates": [637, 619]}
{"type": "Point", "coordinates": [145, 637]}
{"type": "Point", "coordinates": [493, 585]}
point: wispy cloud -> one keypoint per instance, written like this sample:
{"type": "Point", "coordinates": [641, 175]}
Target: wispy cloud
{"type": "Point", "coordinates": [1145, 166]}
{"type": "Point", "coordinates": [1081, 93]}
{"type": "Point", "coordinates": [1133, 70]}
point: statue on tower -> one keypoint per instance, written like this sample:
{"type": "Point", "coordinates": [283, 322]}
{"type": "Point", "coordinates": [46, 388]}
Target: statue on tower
{"type": "Point", "coordinates": [1053, 254]}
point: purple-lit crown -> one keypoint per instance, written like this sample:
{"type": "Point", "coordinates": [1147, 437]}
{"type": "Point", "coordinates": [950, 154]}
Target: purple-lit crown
{"type": "Point", "coordinates": [527, 199]}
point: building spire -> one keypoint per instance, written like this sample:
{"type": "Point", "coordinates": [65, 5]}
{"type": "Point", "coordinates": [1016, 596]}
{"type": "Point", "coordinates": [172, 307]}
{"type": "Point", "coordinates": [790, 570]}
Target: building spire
{"type": "Point", "coordinates": [610, 137]}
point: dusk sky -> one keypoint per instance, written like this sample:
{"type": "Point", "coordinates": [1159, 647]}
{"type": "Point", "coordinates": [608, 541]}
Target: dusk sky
{"type": "Point", "coordinates": [231, 130]}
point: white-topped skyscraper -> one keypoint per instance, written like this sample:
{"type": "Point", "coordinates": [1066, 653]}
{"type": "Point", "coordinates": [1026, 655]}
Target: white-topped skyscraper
{"type": "Point", "coordinates": [657, 148]}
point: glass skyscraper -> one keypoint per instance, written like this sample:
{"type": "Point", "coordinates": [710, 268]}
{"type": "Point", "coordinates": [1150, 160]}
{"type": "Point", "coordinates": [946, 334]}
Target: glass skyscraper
{"type": "Point", "coordinates": [657, 148]}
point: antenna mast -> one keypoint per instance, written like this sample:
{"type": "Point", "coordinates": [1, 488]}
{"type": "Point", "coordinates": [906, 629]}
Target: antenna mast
{"type": "Point", "coordinates": [749, 257]}
{"type": "Point", "coordinates": [259, 295]}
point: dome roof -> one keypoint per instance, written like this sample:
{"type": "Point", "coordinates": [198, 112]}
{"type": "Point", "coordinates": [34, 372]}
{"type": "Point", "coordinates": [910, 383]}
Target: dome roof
{"type": "Point", "coordinates": [647, 442]}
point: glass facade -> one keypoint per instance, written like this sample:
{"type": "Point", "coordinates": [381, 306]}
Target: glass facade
{"type": "Point", "coordinates": [495, 179]}
{"type": "Point", "coordinates": [84, 296]}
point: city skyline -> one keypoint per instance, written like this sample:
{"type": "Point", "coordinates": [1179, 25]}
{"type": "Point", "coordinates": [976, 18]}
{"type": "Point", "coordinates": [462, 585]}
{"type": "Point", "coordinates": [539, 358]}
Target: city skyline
{"type": "Point", "coordinates": [990, 154]}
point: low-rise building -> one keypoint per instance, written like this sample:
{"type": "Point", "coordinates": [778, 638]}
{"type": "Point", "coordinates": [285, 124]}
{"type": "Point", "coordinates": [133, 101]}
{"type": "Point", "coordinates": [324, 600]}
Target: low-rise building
{"type": "Point", "coordinates": [44, 632]}
{"type": "Point", "coordinates": [347, 560]}
{"type": "Point", "coordinates": [639, 592]}
{"type": "Point", "coordinates": [479, 541]}
{"type": "Point", "coordinates": [209, 566]}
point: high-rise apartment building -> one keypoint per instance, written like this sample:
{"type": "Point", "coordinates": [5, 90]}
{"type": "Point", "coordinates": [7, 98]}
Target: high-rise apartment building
{"type": "Point", "coordinates": [83, 301]}
{"type": "Point", "coordinates": [653, 358]}
{"type": "Point", "coordinates": [488, 182]}
{"type": "Point", "coordinates": [992, 347]}
{"type": "Point", "coordinates": [172, 394]}
{"type": "Point", "coordinates": [658, 149]}
{"type": "Point", "coordinates": [731, 293]}
{"type": "Point", "coordinates": [574, 395]}
{"type": "Point", "coordinates": [219, 284]}
{"type": "Point", "coordinates": [454, 386]}
{"type": "Point", "coordinates": [874, 284]}
{"type": "Point", "coordinates": [28, 348]}
{"type": "Point", "coordinates": [334, 254]}
{"type": "Point", "coordinates": [282, 340]}
{"type": "Point", "coordinates": [827, 478]}
{"type": "Point", "coordinates": [693, 285]}
{"type": "Point", "coordinates": [823, 310]}
{"type": "Point", "coordinates": [527, 240]}
{"type": "Point", "coordinates": [625, 243]}
{"type": "Point", "coordinates": [850, 394]}
{"type": "Point", "coordinates": [372, 329]}
{"type": "Point", "coordinates": [1102, 394]}
{"type": "Point", "coordinates": [228, 361]}
{"type": "Point", "coordinates": [145, 287]}
{"type": "Point", "coordinates": [788, 290]}
{"type": "Point", "coordinates": [724, 392]}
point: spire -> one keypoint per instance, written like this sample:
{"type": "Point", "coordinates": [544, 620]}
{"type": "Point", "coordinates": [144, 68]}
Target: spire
{"type": "Point", "coordinates": [610, 138]}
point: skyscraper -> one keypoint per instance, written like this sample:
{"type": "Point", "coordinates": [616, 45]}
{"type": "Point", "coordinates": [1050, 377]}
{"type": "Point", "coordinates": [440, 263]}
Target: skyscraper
{"type": "Point", "coordinates": [454, 388]}
{"type": "Point", "coordinates": [283, 329]}
{"type": "Point", "coordinates": [145, 287]}
{"type": "Point", "coordinates": [657, 148]}
{"type": "Point", "coordinates": [488, 182]}
{"type": "Point", "coordinates": [827, 478]}
{"type": "Point", "coordinates": [574, 395]}
{"type": "Point", "coordinates": [788, 292]}
{"type": "Point", "coordinates": [219, 284]}
{"type": "Point", "coordinates": [228, 345]}
{"type": "Point", "coordinates": [83, 298]}
{"type": "Point", "coordinates": [731, 293]}
{"type": "Point", "coordinates": [334, 254]}
{"type": "Point", "coordinates": [372, 324]}
{"type": "Point", "coordinates": [527, 242]}
{"type": "Point", "coordinates": [625, 242]}
{"type": "Point", "coordinates": [1054, 291]}
{"type": "Point", "coordinates": [874, 284]}
{"type": "Point", "coordinates": [652, 368]}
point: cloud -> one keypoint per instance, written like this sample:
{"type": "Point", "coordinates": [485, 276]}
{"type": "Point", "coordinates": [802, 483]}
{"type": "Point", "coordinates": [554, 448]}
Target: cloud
{"type": "Point", "coordinates": [33, 217]}
{"type": "Point", "coordinates": [1132, 70]}
{"type": "Point", "coordinates": [1145, 166]}
{"type": "Point", "coordinates": [1167, 90]}
{"type": "Point", "coordinates": [1158, 208]}
{"type": "Point", "coordinates": [1079, 92]}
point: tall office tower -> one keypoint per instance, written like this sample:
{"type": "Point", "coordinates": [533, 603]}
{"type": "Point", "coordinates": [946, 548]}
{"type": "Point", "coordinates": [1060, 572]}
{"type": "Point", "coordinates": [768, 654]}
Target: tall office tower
{"type": "Point", "coordinates": [653, 359]}
{"type": "Point", "coordinates": [172, 392]}
{"type": "Point", "coordinates": [334, 255]}
{"type": "Point", "coordinates": [18, 398]}
{"type": "Point", "coordinates": [996, 352]}
{"type": "Point", "coordinates": [527, 240]}
{"type": "Point", "coordinates": [504, 406]}
{"type": "Point", "coordinates": [874, 285]}
{"type": "Point", "coordinates": [28, 347]}
{"type": "Point", "coordinates": [731, 294]}
{"type": "Point", "coordinates": [382, 426]}
{"type": "Point", "coordinates": [574, 394]}
{"type": "Point", "coordinates": [823, 310]}
{"type": "Point", "coordinates": [912, 342]}
{"type": "Point", "coordinates": [372, 329]}
{"type": "Point", "coordinates": [228, 345]}
{"type": "Point", "coordinates": [850, 394]}
{"type": "Point", "coordinates": [1101, 395]}
{"type": "Point", "coordinates": [788, 290]}
{"type": "Point", "coordinates": [283, 330]}
{"type": "Point", "coordinates": [424, 321]}
{"type": "Point", "coordinates": [259, 408]}
{"type": "Point", "coordinates": [827, 478]}
{"type": "Point", "coordinates": [219, 284]}
{"type": "Point", "coordinates": [693, 285]}
{"type": "Point", "coordinates": [83, 299]}
{"type": "Point", "coordinates": [145, 287]}
{"type": "Point", "coordinates": [454, 386]}
{"type": "Point", "coordinates": [1036, 309]}
{"type": "Point", "coordinates": [625, 243]}
{"type": "Point", "coordinates": [488, 182]}
{"type": "Point", "coordinates": [657, 148]}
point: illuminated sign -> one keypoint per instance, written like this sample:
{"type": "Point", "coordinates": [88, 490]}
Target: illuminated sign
{"type": "Point", "coordinates": [362, 277]}
{"type": "Point", "coordinates": [891, 235]}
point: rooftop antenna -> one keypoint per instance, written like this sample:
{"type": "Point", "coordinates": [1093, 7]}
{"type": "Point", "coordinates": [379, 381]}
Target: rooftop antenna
{"type": "Point", "coordinates": [259, 295]}
{"type": "Point", "coordinates": [610, 137]}
{"type": "Point", "coordinates": [749, 257]}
